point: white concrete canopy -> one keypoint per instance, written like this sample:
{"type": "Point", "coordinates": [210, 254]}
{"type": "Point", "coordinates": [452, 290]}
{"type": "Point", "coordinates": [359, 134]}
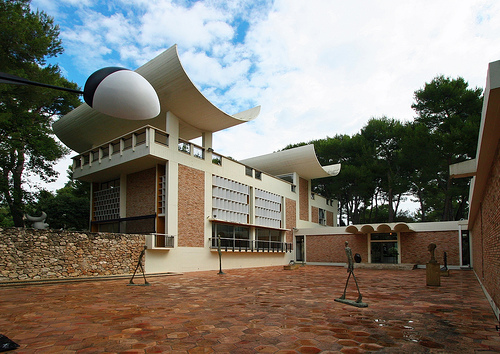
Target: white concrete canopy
{"type": "Point", "coordinates": [301, 160]}
{"type": "Point", "coordinates": [489, 137]}
{"type": "Point", "coordinates": [84, 128]}
{"type": "Point", "coordinates": [378, 228]}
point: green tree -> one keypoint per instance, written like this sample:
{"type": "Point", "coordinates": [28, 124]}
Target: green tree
{"type": "Point", "coordinates": [451, 111]}
{"type": "Point", "coordinates": [386, 140]}
{"type": "Point", "coordinates": [68, 208]}
{"type": "Point", "coordinates": [28, 146]}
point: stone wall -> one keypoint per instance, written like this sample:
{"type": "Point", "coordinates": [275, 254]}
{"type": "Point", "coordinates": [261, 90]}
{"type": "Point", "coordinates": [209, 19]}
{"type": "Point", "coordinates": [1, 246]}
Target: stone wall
{"type": "Point", "coordinates": [28, 254]}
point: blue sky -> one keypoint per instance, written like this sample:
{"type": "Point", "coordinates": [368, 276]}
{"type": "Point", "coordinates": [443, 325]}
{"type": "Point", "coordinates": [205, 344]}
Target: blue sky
{"type": "Point", "coordinates": [318, 68]}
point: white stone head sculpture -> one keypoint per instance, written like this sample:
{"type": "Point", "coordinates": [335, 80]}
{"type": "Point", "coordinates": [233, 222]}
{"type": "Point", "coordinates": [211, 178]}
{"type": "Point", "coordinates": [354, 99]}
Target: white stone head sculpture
{"type": "Point", "coordinates": [38, 221]}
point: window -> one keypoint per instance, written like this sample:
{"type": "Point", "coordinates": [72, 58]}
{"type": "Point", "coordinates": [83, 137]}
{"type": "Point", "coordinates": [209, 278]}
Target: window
{"type": "Point", "coordinates": [107, 201]}
{"type": "Point", "coordinates": [258, 175]}
{"type": "Point", "coordinates": [322, 216]}
{"type": "Point", "coordinates": [268, 209]}
{"type": "Point", "coordinates": [248, 171]}
{"type": "Point", "coordinates": [268, 239]}
{"type": "Point", "coordinates": [231, 237]}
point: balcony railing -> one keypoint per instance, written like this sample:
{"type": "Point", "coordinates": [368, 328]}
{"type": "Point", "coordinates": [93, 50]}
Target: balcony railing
{"type": "Point", "coordinates": [247, 245]}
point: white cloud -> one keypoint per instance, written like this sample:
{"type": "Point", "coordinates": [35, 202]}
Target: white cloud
{"type": "Point", "coordinates": [317, 67]}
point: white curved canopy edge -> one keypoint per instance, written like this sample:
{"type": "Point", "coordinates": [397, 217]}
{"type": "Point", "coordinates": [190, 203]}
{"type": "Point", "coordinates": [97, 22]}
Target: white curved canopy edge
{"type": "Point", "coordinates": [84, 128]}
{"type": "Point", "coordinates": [372, 228]}
{"type": "Point", "coordinates": [301, 160]}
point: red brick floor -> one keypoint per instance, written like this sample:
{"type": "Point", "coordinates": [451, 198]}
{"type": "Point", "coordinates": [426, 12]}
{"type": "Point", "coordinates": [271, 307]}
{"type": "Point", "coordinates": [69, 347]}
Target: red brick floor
{"type": "Point", "coordinates": [268, 310]}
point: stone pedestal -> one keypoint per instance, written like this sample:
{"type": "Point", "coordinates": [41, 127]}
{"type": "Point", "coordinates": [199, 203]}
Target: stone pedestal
{"type": "Point", "coordinates": [433, 272]}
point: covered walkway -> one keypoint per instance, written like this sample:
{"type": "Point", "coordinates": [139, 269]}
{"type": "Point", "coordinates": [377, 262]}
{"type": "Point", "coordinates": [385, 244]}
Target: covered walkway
{"type": "Point", "coordinates": [267, 310]}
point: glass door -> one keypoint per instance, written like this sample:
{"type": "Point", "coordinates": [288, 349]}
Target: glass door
{"type": "Point", "coordinates": [299, 242]}
{"type": "Point", "coordinates": [384, 248]}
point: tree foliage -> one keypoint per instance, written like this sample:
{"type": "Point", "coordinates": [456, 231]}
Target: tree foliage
{"type": "Point", "coordinates": [28, 146]}
{"type": "Point", "coordinates": [68, 208]}
{"type": "Point", "coordinates": [389, 160]}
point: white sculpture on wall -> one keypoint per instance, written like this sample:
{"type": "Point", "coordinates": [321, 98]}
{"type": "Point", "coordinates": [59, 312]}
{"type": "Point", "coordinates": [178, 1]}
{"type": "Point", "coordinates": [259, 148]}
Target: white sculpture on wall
{"type": "Point", "coordinates": [38, 221]}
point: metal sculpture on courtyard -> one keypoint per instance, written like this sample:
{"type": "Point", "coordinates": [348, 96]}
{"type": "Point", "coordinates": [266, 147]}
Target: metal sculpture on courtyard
{"type": "Point", "coordinates": [350, 270]}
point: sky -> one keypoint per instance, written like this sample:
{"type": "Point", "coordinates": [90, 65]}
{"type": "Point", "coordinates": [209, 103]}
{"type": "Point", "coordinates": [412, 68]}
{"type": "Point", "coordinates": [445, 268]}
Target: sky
{"type": "Point", "coordinates": [317, 68]}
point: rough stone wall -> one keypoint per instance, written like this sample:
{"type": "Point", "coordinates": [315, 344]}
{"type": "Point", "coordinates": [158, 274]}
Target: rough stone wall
{"type": "Point", "coordinates": [331, 248]}
{"type": "Point", "coordinates": [414, 247]}
{"type": "Point", "coordinates": [27, 254]}
{"type": "Point", "coordinates": [191, 207]}
{"type": "Point", "coordinates": [291, 220]}
{"type": "Point", "coordinates": [485, 235]}
{"type": "Point", "coordinates": [303, 199]}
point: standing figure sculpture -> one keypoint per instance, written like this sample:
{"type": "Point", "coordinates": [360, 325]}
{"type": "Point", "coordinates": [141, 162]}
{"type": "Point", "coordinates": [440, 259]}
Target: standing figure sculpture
{"type": "Point", "coordinates": [350, 271]}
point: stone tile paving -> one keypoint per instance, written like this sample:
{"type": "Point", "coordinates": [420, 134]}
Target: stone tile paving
{"type": "Point", "coordinates": [268, 310]}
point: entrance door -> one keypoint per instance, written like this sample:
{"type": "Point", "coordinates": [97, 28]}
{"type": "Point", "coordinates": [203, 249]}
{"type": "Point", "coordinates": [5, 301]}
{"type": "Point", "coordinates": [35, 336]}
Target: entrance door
{"type": "Point", "coordinates": [299, 243]}
{"type": "Point", "coordinates": [384, 247]}
{"type": "Point", "coordinates": [465, 248]}
{"type": "Point", "coordinates": [384, 252]}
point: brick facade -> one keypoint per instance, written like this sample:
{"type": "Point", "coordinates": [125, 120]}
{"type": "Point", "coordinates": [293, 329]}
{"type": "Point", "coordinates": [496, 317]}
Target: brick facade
{"type": "Point", "coordinates": [414, 247]}
{"type": "Point", "coordinates": [291, 220]}
{"type": "Point", "coordinates": [303, 199]}
{"type": "Point", "coordinates": [141, 193]}
{"type": "Point", "coordinates": [191, 207]}
{"type": "Point", "coordinates": [315, 215]}
{"type": "Point", "coordinates": [141, 196]}
{"type": "Point", "coordinates": [331, 248]}
{"type": "Point", "coordinates": [486, 234]}
{"type": "Point", "coordinates": [329, 218]}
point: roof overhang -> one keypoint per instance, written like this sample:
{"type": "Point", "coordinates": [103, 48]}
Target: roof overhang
{"type": "Point", "coordinates": [84, 128]}
{"type": "Point", "coordinates": [378, 228]}
{"type": "Point", "coordinates": [489, 136]}
{"type": "Point", "coordinates": [301, 160]}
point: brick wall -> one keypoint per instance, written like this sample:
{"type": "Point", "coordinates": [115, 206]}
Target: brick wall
{"type": "Point", "coordinates": [141, 193]}
{"type": "Point", "coordinates": [291, 220]}
{"type": "Point", "coordinates": [191, 207]}
{"type": "Point", "coordinates": [27, 254]}
{"type": "Point", "coordinates": [315, 215]}
{"type": "Point", "coordinates": [485, 235]}
{"type": "Point", "coordinates": [303, 199]}
{"type": "Point", "coordinates": [329, 218]}
{"type": "Point", "coordinates": [331, 248]}
{"type": "Point", "coordinates": [414, 247]}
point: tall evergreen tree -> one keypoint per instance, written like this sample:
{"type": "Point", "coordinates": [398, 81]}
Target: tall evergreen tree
{"type": "Point", "coordinates": [28, 146]}
{"type": "Point", "coordinates": [451, 111]}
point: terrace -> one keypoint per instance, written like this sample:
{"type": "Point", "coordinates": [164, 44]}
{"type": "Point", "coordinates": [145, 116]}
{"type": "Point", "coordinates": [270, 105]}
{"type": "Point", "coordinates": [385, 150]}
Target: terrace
{"type": "Point", "coordinates": [253, 310]}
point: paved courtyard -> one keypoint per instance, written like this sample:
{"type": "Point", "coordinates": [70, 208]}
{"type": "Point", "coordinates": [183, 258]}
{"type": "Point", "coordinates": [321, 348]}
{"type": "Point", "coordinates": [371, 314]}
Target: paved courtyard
{"type": "Point", "coordinates": [268, 310]}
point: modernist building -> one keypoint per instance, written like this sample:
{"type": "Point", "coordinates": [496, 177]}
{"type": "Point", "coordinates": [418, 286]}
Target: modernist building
{"type": "Point", "coordinates": [149, 177]}
{"type": "Point", "coordinates": [472, 243]}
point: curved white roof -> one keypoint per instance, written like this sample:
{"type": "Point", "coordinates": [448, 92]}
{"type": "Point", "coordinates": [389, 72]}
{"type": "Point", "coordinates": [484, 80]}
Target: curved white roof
{"type": "Point", "coordinates": [302, 160]}
{"type": "Point", "coordinates": [371, 228]}
{"type": "Point", "coordinates": [84, 128]}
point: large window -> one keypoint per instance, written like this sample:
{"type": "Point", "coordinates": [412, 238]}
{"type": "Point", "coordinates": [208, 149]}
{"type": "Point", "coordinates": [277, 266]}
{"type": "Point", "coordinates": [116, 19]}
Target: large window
{"type": "Point", "coordinates": [268, 239]}
{"type": "Point", "coordinates": [231, 237]}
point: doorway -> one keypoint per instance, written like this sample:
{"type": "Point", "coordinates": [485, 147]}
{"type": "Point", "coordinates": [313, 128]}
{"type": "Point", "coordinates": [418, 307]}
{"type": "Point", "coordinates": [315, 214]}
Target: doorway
{"type": "Point", "coordinates": [384, 248]}
{"type": "Point", "coordinates": [299, 243]}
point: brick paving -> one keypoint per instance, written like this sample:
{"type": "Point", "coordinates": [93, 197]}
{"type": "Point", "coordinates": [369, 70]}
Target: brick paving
{"type": "Point", "coordinates": [267, 310]}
